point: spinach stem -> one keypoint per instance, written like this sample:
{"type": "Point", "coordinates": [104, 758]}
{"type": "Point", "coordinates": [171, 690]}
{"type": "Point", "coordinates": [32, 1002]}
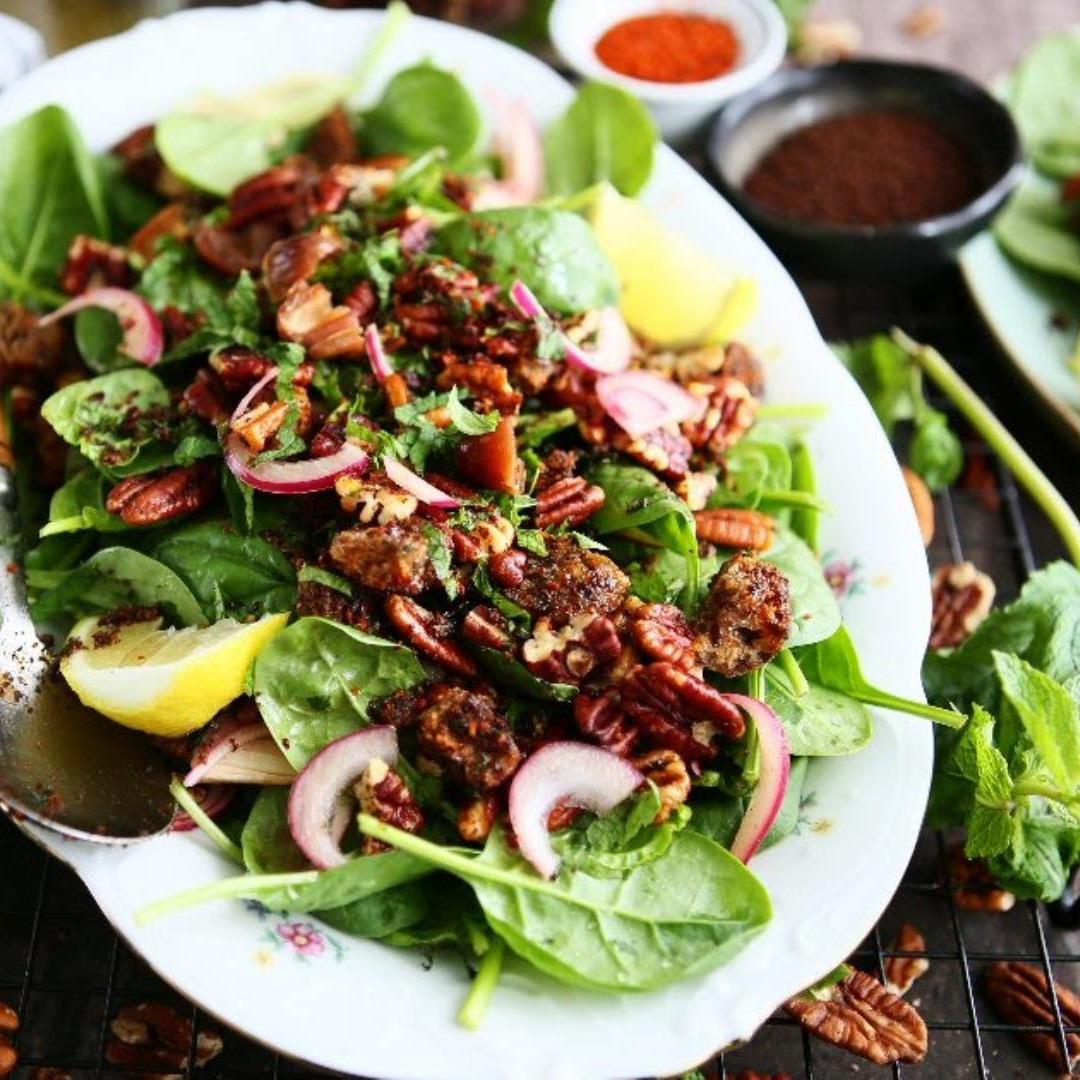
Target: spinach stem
{"type": "Point", "coordinates": [804, 500]}
{"type": "Point", "coordinates": [790, 666]}
{"type": "Point", "coordinates": [869, 695]}
{"type": "Point", "coordinates": [793, 411]}
{"type": "Point", "coordinates": [188, 802]}
{"type": "Point", "coordinates": [397, 13]}
{"type": "Point", "coordinates": [1045, 791]}
{"type": "Point", "coordinates": [483, 986]}
{"type": "Point", "coordinates": [756, 687]}
{"type": "Point", "coordinates": [242, 885]}
{"type": "Point", "coordinates": [1032, 478]}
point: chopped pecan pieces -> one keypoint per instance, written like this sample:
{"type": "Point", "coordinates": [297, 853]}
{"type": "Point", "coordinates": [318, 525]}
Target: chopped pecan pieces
{"type": "Point", "coordinates": [668, 772]}
{"type": "Point", "coordinates": [206, 398]}
{"type": "Point", "coordinates": [156, 1037]}
{"type": "Point", "coordinates": [92, 263]}
{"type": "Point", "coordinates": [150, 500]}
{"type": "Point", "coordinates": [333, 140]}
{"type": "Point", "coordinates": [963, 597]}
{"type": "Point", "coordinates": [486, 627]}
{"type": "Point", "coordinates": [695, 488]}
{"type": "Point", "coordinates": [902, 971]}
{"type": "Point", "coordinates": [662, 632]}
{"type": "Point", "coordinates": [476, 818]}
{"type": "Point", "coordinates": [569, 581]}
{"type": "Point", "coordinates": [729, 413]}
{"type": "Point", "coordinates": [1020, 995]}
{"type": "Point", "coordinates": [568, 653]}
{"type": "Point", "coordinates": [429, 632]}
{"type": "Point", "coordinates": [568, 502]}
{"type": "Point", "coordinates": [601, 717]}
{"type": "Point", "coordinates": [747, 530]}
{"type": "Point", "coordinates": [171, 220]}
{"type": "Point", "coordinates": [491, 537]}
{"type": "Point", "coordinates": [374, 499]}
{"type": "Point", "coordinates": [746, 619]}
{"type": "Point", "coordinates": [974, 888]}
{"type": "Point", "coordinates": [860, 1015]}
{"type": "Point", "coordinates": [488, 382]}
{"type": "Point", "coordinates": [461, 731]}
{"type": "Point", "coordinates": [383, 794]}
{"type": "Point", "coordinates": [388, 558]}
{"type": "Point", "coordinates": [665, 451]}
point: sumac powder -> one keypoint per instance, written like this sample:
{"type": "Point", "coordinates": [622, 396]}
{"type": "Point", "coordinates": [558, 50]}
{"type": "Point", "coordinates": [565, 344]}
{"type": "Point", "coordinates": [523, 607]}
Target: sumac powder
{"type": "Point", "coordinates": [870, 167]}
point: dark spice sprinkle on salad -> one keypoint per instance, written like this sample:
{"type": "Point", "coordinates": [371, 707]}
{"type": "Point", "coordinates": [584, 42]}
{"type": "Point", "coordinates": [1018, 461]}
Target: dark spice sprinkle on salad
{"type": "Point", "coordinates": [361, 453]}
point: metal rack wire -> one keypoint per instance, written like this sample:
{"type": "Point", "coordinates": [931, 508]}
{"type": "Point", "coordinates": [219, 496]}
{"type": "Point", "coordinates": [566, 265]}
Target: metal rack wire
{"type": "Point", "coordinates": [67, 974]}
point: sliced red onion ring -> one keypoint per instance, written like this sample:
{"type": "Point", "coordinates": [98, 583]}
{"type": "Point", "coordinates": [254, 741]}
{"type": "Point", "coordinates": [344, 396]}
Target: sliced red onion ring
{"type": "Point", "coordinates": [293, 477]}
{"type": "Point", "coordinates": [614, 345]}
{"type": "Point", "coordinates": [214, 800]}
{"type": "Point", "coordinates": [252, 394]}
{"type": "Point", "coordinates": [564, 774]}
{"type": "Point", "coordinates": [221, 739]}
{"type": "Point", "coordinates": [239, 754]}
{"type": "Point", "coordinates": [376, 354]}
{"type": "Point", "coordinates": [408, 481]}
{"type": "Point", "coordinates": [641, 401]}
{"type": "Point", "coordinates": [144, 339]}
{"type": "Point", "coordinates": [772, 784]}
{"type": "Point", "coordinates": [518, 144]}
{"type": "Point", "coordinates": [319, 803]}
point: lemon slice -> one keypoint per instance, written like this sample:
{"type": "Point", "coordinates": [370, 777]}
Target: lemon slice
{"type": "Point", "coordinates": [674, 294]}
{"type": "Point", "coordinates": [165, 682]}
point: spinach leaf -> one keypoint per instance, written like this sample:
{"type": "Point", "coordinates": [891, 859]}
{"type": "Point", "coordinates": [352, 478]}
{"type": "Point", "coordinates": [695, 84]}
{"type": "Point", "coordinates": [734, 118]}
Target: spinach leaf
{"type": "Point", "coordinates": [98, 336]}
{"type": "Point", "coordinates": [813, 603]}
{"type": "Point", "coordinates": [636, 502]}
{"type": "Point", "coordinates": [80, 504]}
{"type": "Point", "coordinates": [669, 919]}
{"type": "Point", "coordinates": [819, 722]}
{"type": "Point", "coordinates": [1037, 228]}
{"type": "Point", "coordinates": [423, 107]}
{"type": "Point", "coordinates": [660, 578]}
{"type": "Point", "coordinates": [805, 522]}
{"type": "Point", "coordinates": [316, 680]}
{"type": "Point", "coordinates": [129, 205]}
{"type": "Point", "coordinates": [515, 678]}
{"type": "Point", "coordinates": [49, 193]}
{"type": "Point", "coordinates": [606, 134]}
{"type": "Point", "coordinates": [216, 143]}
{"type": "Point", "coordinates": [230, 574]}
{"type": "Point", "coordinates": [113, 578]}
{"type": "Point", "coordinates": [114, 420]}
{"type": "Point", "coordinates": [554, 252]}
{"type": "Point", "coordinates": [1044, 96]}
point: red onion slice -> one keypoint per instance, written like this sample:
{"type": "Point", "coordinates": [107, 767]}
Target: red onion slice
{"type": "Point", "coordinates": [144, 339]}
{"type": "Point", "coordinates": [614, 344]}
{"type": "Point", "coordinates": [213, 799]}
{"type": "Point", "coordinates": [252, 394]}
{"type": "Point", "coordinates": [293, 477]}
{"type": "Point", "coordinates": [641, 401]}
{"type": "Point", "coordinates": [521, 152]}
{"type": "Point", "coordinates": [408, 481]}
{"type": "Point", "coordinates": [376, 354]}
{"type": "Point", "coordinates": [248, 755]}
{"type": "Point", "coordinates": [221, 740]}
{"type": "Point", "coordinates": [564, 774]}
{"type": "Point", "coordinates": [319, 803]}
{"type": "Point", "coordinates": [772, 784]}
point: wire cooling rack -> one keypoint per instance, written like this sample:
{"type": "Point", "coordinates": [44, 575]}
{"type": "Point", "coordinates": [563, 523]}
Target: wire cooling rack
{"type": "Point", "coordinates": [68, 975]}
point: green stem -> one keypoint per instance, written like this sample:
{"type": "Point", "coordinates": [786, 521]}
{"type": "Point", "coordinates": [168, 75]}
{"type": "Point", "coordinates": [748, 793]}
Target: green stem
{"type": "Point", "coordinates": [869, 695]}
{"type": "Point", "coordinates": [483, 986]}
{"type": "Point", "coordinates": [1045, 791]}
{"type": "Point", "coordinates": [756, 687]}
{"type": "Point", "coordinates": [397, 13]}
{"type": "Point", "coordinates": [188, 802]}
{"type": "Point", "coordinates": [793, 411]}
{"type": "Point", "coordinates": [244, 885]}
{"type": "Point", "coordinates": [791, 669]}
{"type": "Point", "coordinates": [804, 500]}
{"type": "Point", "coordinates": [975, 411]}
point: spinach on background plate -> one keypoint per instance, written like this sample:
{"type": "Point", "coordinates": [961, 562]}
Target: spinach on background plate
{"type": "Point", "coordinates": [423, 107]}
{"type": "Point", "coordinates": [606, 134]}
{"type": "Point", "coordinates": [115, 420]}
{"type": "Point", "coordinates": [111, 578]}
{"type": "Point", "coordinates": [80, 504]}
{"type": "Point", "coordinates": [665, 920]}
{"type": "Point", "coordinates": [315, 680]}
{"type": "Point", "coordinates": [50, 191]}
{"type": "Point", "coordinates": [229, 574]}
{"type": "Point", "coordinates": [554, 252]}
{"type": "Point", "coordinates": [370, 896]}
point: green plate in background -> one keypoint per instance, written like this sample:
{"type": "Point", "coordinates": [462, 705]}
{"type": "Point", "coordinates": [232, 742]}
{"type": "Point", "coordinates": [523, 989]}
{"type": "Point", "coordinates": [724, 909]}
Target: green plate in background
{"type": "Point", "coordinates": [1023, 309]}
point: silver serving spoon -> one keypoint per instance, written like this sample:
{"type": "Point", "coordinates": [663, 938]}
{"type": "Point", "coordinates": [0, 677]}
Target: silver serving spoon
{"type": "Point", "coordinates": [61, 764]}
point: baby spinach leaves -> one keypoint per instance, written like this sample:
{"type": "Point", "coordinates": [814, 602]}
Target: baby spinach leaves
{"type": "Point", "coordinates": [813, 604]}
{"type": "Point", "coordinates": [80, 504]}
{"type": "Point", "coordinates": [554, 252]}
{"type": "Point", "coordinates": [819, 722]}
{"type": "Point", "coordinates": [315, 681]}
{"type": "Point", "coordinates": [49, 192]}
{"type": "Point", "coordinates": [515, 678]}
{"type": "Point", "coordinates": [606, 134]}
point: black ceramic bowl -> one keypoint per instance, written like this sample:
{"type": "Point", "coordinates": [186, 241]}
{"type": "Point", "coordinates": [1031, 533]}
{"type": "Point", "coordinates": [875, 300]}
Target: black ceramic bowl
{"type": "Point", "coordinates": [754, 122]}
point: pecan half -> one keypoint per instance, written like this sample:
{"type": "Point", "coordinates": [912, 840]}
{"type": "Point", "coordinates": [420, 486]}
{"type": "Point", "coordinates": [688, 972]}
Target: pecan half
{"type": "Point", "coordinates": [746, 618]}
{"type": "Point", "coordinates": [729, 413]}
{"type": "Point", "coordinates": [902, 971]}
{"type": "Point", "coordinates": [665, 451]}
{"type": "Point", "coordinates": [974, 887]}
{"type": "Point", "coordinates": [383, 794]}
{"type": "Point", "coordinates": [923, 503]}
{"type": "Point", "coordinates": [680, 712]}
{"type": "Point", "coordinates": [156, 1036]}
{"type": "Point", "coordinates": [570, 502]}
{"type": "Point", "coordinates": [1020, 995]}
{"type": "Point", "coordinates": [746, 530]}
{"type": "Point", "coordinates": [668, 772]}
{"type": "Point", "coordinates": [150, 500]}
{"type": "Point", "coordinates": [430, 633]}
{"type": "Point", "coordinates": [91, 263]}
{"type": "Point", "coordinates": [485, 626]}
{"type": "Point", "coordinates": [661, 632]}
{"type": "Point", "coordinates": [860, 1015]}
{"type": "Point", "coordinates": [461, 731]}
{"type": "Point", "coordinates": [568, 653]}
{"type": "Point", "coordinates": [602, 718]}
{"type": "Point", "coordinates": [488, 382]}
{"type": "Point", "coordinates": [206, 398]}
{"type": "Point", "coordinates": [963, 597]}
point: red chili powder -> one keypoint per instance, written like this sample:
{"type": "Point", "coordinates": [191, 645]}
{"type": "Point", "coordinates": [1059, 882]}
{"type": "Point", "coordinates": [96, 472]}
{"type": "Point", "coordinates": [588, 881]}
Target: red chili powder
{"type": "Point", "coordinates": [870, 167]}
{"type": "Point", "coordinates": [670, 48]}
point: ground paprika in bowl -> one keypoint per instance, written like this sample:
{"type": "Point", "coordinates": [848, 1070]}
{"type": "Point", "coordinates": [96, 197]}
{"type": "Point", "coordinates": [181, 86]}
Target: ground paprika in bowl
{"type": "Point", "coordinates": [670, 47]}
{"type": "Point", "coordinates": [866, 168]}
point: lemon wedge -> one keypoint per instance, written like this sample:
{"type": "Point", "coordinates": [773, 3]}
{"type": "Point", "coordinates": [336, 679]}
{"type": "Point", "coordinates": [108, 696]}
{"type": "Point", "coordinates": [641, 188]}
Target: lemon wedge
{"type": "Point", "coordinates": [165, 682]}
{"type": "Point", "coordinates": [674, 294]}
